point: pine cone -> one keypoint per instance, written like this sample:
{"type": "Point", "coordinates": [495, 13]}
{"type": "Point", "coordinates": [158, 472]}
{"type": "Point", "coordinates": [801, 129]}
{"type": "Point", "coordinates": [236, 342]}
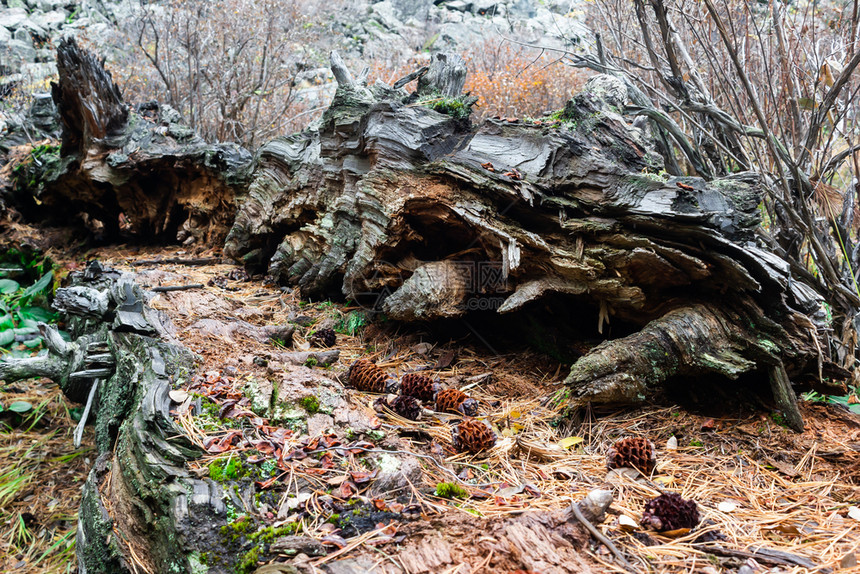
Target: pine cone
{"type": "Point", "coordinates": [472, 435]}
{"type": "Point", "coordinates": [323, 338]}
{"type": "Point", "coordinates": [632, 452]}
{"type": "Point", "coordinates": [418, 386]}
{"type": "Point", "coordinates": [407, 407]}
{"type": "Point", "coordinates": [670, 512]}
{"type": "Point", "coordinates": [454, 401]}
{"type": "Point", "coordinates": [366, 376]}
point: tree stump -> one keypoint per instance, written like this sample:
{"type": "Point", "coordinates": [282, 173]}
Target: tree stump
{"type": "Point", "coordinates": [125, 172]}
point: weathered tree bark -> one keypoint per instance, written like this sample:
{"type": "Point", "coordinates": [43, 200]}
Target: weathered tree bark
{"type": "Point", "coordinates": [139, 503]}
{"type": "Point", "coordinates": [133, 173]}
{"type": "Point", "coordinates": [394, 203]}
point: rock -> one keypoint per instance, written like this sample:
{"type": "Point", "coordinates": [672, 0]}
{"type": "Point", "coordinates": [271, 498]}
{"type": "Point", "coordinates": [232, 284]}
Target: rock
{"type": "Point", "coordinates": [418, 9]}
{"type": "Point", "coordinates": [49, 5]}
{"type": "Point", "coordinates": [16, 54]}
{"type": "Point", "coordinates": [396, 472]}
{"type": "Point", "coordinates": [295, 544]}
{"type": "Point", "coordinates": [360, 566]}
{"type": "Point", "coordinates": [318, 424]}
{"type": "Point", "coordinates": [482, 7]}
{"type": "Point", "coordinates": [13, 17]}
{"type": "Point", "coordinates": [385, 14]}
{"type": "Point", "coordinates": [24, 36]}
{"type": "Point", "coordinates": [49, 20]}
{"type": "Point", "coordinates": [458, 5]}
{"type": "Point", "coordinates": [5, 35]}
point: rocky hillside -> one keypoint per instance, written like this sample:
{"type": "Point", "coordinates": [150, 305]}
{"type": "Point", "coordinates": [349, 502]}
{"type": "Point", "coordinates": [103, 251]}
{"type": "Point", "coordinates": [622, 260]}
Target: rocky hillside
{"type": "Point", "coordinates": [396, 32]}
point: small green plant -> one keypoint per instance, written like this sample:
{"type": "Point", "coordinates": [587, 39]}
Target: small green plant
{"type": "Point", "coordinates": [352, 323]}
{"type": "Point", "coordinates": [458, 108]}
{"type": "Point", "coordinates": [21, 311]}
{"type": "Point", "coordinates": [778, 418]}
{"type": "Point", "coordinates": [221, 471]}
{"type": "Point", "coordinates": [311, 362]}
{"type": "Point", "coordinates": [695, 442]}
{"type": "Point", "coordinates": [310, 404]}
{"type": "Point", "coordinates": [451, 490]}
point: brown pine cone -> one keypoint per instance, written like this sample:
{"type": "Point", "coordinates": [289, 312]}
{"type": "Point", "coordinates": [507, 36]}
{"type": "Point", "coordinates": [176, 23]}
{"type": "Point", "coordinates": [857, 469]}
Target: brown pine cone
{"type": "Point", "coordinates": [670, 512]}
{"type": "Point", "coordinates": [472, 435]}
{"type": "Point", "coordinates": [323, 338]}
{"type": "Point", "coordinates": [455, 401]}
{"type": "Point", "coordinates": [366, 376]}
{"type": "Point", "coordinates": [418, 386]}
{"type": "Point", "coordinates": [632, 452]}
{"type": "Point", "coordinates": [407, 407]}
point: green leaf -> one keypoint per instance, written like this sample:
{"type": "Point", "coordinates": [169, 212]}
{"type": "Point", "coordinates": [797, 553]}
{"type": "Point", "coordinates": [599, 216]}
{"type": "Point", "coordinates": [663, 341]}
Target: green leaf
{"type": "Point", "coordinates": [39, 286]}
{"type": "Point", "coordinates": [33, 343]}
{"type": "Point", "coordinates": [6, 337]}
{"type": "Point", "coordinates": [29, 324]}
{"type": "Point", "coordinates": [8, 286]}
{"type": "Point", "coordinates": [20, 407]}
{"type": "Point", "coordinates": [36, 314]}
{"type": "Point", "coordinates": [6, 322]}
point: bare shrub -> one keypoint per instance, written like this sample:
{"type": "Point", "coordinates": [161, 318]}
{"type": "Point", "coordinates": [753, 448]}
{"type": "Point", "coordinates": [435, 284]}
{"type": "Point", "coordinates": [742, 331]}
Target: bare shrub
{"type": "Point", "coordinates": [515, 80]}
{"type": "Point", "coordinates": [228, 66]}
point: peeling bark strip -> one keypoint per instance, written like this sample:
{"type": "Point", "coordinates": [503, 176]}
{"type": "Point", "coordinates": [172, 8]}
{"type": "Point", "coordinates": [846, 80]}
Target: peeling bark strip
{"type": "Point", "coordinates": [123, 172]}
{"type": "Point", "coordinates": [421, 216]}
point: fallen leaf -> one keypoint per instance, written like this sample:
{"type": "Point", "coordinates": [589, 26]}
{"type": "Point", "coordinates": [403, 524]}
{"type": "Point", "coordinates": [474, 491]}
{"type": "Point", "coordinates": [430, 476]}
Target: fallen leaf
{"type": "Point", "coordinates": [627, 524]}
{"type": "Point", "coordinates": [422, 348]}
{"type": "Point", "coordinates": [510, 491]}
{"type": "Point", "coordinates": [675, 533]}
{"type": "Point", "coordinates": [665, 480]}
{"type": "Point", "coordinates": [672, 443]}
{"type": "Point", "coordinates": [360, 477]}
{"type": "Point", "coordinates": [570, 441]}
{"type": "Point", "coordinates": [727, 506]}
{"type": "Point", "coordinates": [445, 359]}
{"type": "Point", "coordinates": [708, 424]}
{"type": "Point", "coordinates": [334, 540]}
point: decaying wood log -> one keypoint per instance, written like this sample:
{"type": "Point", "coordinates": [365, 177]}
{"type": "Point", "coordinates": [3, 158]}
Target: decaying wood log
{"type": "Point", "coordinates": [410, 211]}
{"type": "Point", "coordinates": [126, 172]}
{"type": "Point", "coordinates": [140, 504]}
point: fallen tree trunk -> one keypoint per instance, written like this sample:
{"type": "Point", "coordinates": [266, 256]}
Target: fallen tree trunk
{"type": "Point", "coordinates": [124, 172]}
{"type": "Point", "coordinates": [418, 215]}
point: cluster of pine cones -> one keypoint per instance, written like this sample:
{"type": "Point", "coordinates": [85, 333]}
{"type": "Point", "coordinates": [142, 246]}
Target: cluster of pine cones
{"type": "Point", "coordinates": [470, 435]}
{"type": "Point", "coordinates": [668, 511]}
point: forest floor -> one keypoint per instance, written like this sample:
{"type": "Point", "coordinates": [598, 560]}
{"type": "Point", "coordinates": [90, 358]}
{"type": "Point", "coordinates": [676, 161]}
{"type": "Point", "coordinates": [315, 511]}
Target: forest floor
{"type": "Point", "coordinates": [769, 498]}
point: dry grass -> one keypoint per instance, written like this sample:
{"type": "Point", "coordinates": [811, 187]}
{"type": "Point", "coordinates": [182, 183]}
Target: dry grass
{"type": "Point", "coordinates": [41, 475]}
